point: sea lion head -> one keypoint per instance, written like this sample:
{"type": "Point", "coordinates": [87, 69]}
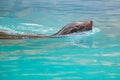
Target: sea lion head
{"type": "Point", "coordinates": [75, 27]}
{"type": "Point", "coordinates": [81, 26]}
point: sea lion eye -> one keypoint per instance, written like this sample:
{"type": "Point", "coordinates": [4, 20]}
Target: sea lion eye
{"type": "Point", "coordinates": [77, 26]}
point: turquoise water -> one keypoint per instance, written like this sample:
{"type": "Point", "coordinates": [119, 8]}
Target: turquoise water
{"type": "Point", "coordinates": [94, 55]}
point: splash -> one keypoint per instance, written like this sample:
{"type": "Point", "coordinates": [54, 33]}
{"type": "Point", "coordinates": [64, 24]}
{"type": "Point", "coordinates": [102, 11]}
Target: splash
{"type": "Point", "coordinates": [27, 28]}
{"type": "Point", "coordinates": [83, 39]}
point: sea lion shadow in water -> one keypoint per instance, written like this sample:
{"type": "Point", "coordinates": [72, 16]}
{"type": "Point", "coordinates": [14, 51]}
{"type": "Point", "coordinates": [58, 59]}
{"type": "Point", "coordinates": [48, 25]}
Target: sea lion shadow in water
{"type": "Point", "coordinates": [68, 29]}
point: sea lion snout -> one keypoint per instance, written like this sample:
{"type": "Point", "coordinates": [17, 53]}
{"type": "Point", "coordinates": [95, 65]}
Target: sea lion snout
{"type": "Point", "coordinates": [90, 22]}
{"type": "Point", "coordinates": [88, 25]}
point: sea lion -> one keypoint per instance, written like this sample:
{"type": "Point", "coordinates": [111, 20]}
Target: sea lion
{"type": "Point", "coordinates": [68, 29]}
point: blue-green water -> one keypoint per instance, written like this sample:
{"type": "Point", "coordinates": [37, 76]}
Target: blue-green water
{"type": "Point", "coordinates": [92, 56]}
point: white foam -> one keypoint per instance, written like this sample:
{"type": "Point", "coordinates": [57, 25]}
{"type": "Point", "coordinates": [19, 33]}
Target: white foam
{"type": "Point", "coordinates": [31, 24]}
{"type": "Point", "coordinates": [95, 30]}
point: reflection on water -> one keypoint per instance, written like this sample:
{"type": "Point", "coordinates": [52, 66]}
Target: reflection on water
{"type": "Point", "coordinates": [93, 55]}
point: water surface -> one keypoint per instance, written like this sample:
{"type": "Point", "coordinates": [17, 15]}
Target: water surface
{"type": "Point", "coordinates": [94, 55]}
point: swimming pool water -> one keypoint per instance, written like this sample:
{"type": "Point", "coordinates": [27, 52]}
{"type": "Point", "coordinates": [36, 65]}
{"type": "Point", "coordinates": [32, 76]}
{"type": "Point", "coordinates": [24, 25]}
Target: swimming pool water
{"type": "Point", "coordinates": [94, 55]}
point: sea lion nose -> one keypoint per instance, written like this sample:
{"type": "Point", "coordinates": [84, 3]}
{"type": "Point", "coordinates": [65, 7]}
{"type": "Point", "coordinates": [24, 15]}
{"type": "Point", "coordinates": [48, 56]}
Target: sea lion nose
{"type": "Point", "coordinates": [89, 25]}
{"type": "Point", "coordinates": [90, 22]}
